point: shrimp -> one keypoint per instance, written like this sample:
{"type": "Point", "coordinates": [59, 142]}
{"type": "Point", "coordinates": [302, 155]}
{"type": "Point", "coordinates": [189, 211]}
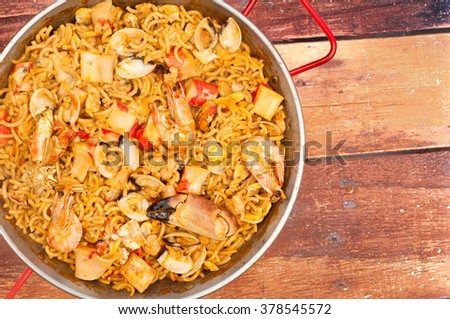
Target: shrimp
{"type": "Point", "coordinates": [180, 129]}
{"type": "Point", "coordinates": [41, 137]}
{"type": "Point", "coordinates": [46, 148]}
{"type": "Point", "coordinates": [180, 109]}
{"type": "Point", "coordinates": [65, 229]}
{"type": "Point", "coordinates": [169, 130]}
{"type": "Point", "coordinates": [266, 163]}
{"type": "Point", "coordinates": [59, 145]}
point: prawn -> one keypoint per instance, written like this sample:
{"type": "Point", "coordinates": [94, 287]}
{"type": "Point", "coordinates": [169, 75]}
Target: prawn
{"type": "Point", "coordinates": [65, 229]}
{"type": "Point", "coordinates": [181, 127]}
{"type": "Point", "coordinates": [266, 163]}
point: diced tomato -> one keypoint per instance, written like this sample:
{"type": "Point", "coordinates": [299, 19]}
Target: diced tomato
{"type": "Point", "coordinates": [27, 65]}
{"type": "Point", "coordinates": [134, 129]}
{"type": "Point", "coordinates": [105, 131]}
{"type": "Point", "coordinates": [139, 252]}
{"type": "Point", "coordinates": [109, 135]}
{"type": "Point", "coordinates": [4, 130]}
{"type": "Point", "coordinates": [183, 185]}
{"type": "Point", "coordinates": [199, 92]}
{"type": "Point", "coordinates": [83, 135]}
{"type": "Point", "coordinates": [101, 246]}
{"type": "Point", "coordinates": [147, 135]}
{"type": "Point", "coordinates": [92, 254]}
{"type": "Point", "coordinates": [121, 106]}
{"type": "Point", "coordinates": [102, 22]}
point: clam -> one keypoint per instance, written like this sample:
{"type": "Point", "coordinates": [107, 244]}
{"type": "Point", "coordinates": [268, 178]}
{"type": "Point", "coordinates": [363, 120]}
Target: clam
{"type": "Point", "coordinates": [134, 68]}
{"type": "Point", "coordinates": [181, 238]}
{"type": "Point", "coordinates": [148, 186]}
{"type": "Point", "coordinates": [173, 259]}
{"type": "Point", "coordinates": [131, 20]}
{"type": "Point", "coordinates": [205, 36]}
{"type": "Point", "coordinates": [128, 41]}
{"type": "Point", "coordinates": [230, 36]}
{"type": "Point", "coordinates": [199, 258]}
{"type": "Point", "coordinates": [147, 181]}
{"type": "Point", "coordinates": [130, 153]}
{"type": "Point", "coordinates": [107, 159]}
{"type": "Point", "coordinates": [206, 55]}
{"type": "Point", "coordinates": [134, 206]}
{"type": "Point", "coordinates": [146, 229]}
{"type": "Point", "coordinates": [41, 100]}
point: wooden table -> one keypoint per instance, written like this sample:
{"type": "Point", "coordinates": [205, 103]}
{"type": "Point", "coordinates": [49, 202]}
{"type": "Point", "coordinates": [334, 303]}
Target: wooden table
{"type": "Point", "coordinates": [378, 225]}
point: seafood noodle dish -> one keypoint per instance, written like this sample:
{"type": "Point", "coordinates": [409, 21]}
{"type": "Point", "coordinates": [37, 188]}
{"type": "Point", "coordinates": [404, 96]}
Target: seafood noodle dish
{"type": "Point", "coordinates": [140, 144]}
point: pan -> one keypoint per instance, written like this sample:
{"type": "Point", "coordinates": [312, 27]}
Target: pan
{"type": "Point", "coordinates": [60, 275]}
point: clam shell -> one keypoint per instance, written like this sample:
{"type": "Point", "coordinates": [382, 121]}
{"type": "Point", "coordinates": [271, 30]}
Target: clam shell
{"type": "Point", "coordinates": [134, 68]}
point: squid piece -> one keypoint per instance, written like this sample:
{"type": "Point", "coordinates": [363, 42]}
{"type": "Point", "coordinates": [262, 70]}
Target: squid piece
{"type": "Point", "coordinates": [138, 273]}
{"type": "Point", "coordinates": [197, 214]}
{"type": "Point", "coordinates": [96, 67]}
{"type": "Point", "coordinates": [267, 102]}
{"type": "Point", "coordinates": [192, 180]}
{"type": "Point", "coordinates": [104, 15]}
{"type": "Point", "coordinates": [89, 265]}
{"type": "Point", "coordinates": [131, 235]}
{"type": "Point", "coordinates": [121, 120]}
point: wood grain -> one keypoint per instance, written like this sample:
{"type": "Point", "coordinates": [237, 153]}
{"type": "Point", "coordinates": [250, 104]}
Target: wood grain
{"type": "Point", "coordinates": [377, 95]}
{"type": "Point", "coordinates": [285, 21]}
{"type": "Point", "coordinates": [376, 228]}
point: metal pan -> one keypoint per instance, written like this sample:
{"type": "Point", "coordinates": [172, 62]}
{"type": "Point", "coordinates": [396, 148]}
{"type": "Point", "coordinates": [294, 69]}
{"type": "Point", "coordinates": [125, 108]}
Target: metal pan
{"type": "Point", "coordinates": [59, 274]}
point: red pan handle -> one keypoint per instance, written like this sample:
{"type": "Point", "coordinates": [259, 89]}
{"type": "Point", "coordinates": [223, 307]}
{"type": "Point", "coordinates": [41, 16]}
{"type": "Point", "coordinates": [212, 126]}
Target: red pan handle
{"type": "Point", "coordinates": [14, 290]}
{"type": "Point", "coordinates": [333, 45]}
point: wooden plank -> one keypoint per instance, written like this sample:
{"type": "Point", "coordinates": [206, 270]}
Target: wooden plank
{"type": "Point", "coordinates": [376, 94]}
{"type": "Point", "coordinates": [376, 227]}
{"type": "Point", "coordinates": [284, 20]}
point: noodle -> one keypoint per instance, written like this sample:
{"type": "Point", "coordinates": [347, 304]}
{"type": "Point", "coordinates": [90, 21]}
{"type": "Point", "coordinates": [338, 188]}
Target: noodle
{"type": "Point", "coordinates": [54, 64]}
